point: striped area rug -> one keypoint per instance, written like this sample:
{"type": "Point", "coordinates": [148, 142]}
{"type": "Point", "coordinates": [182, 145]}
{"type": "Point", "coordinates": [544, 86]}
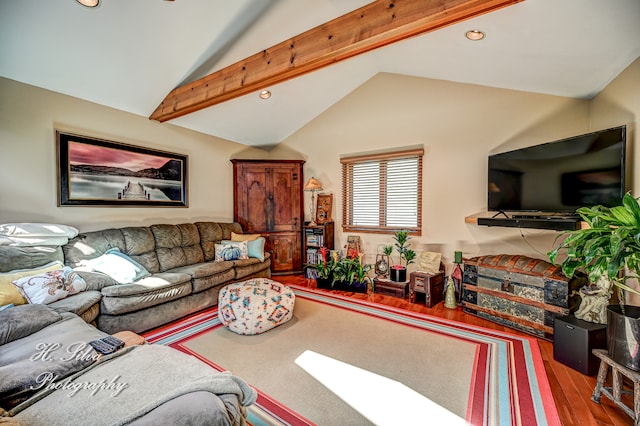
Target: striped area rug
{"type": "Point", "coordinates": [508, 387]}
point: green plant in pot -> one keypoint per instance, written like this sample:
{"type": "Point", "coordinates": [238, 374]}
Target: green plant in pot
{"type": "Point", "coordinates": [406, 256]}
{"type": "Point", "coordinates": [351, 273]}
{"type": "Point", "coordinates": [608, 251]}
{"type": "Point", "coordinates": [325, 268]}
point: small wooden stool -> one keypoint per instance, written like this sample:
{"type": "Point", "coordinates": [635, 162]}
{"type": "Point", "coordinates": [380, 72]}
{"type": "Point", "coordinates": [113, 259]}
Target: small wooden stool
{"type": "Point", "coordinates": [614, 392]}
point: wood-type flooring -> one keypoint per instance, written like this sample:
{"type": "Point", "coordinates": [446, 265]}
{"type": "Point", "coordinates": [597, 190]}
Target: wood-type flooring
{"type": "Point", "coordinates": [571, 389]}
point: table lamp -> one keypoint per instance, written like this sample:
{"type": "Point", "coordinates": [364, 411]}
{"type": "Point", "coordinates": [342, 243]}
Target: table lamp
{"type": "Point", "coordinates": [313, 186]}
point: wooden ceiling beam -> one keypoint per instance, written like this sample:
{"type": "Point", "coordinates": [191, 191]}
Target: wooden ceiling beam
{"type": "Point", "coordinates": [375, 25]}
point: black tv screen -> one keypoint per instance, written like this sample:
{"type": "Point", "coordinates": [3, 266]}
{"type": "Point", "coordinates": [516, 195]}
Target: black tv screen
{"type": "Point", "coordinates": [560, 176]}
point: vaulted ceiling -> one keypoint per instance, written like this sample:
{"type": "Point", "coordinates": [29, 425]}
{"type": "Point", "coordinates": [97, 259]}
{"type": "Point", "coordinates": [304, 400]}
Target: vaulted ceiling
{"type": "Point", "coordinates": [131, 55]}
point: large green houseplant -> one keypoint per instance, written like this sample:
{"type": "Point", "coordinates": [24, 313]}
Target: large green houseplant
{"type": "Point", "coordinates": [608, 251]}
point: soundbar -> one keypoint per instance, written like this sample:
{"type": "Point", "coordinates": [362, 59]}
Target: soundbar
{"type": "Point", "coordinates": [553, 223]}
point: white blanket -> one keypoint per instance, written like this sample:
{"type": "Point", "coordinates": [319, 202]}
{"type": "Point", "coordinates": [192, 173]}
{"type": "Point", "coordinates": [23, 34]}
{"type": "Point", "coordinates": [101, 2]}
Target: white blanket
{"type": "Point", "coordinates": [35, 234]}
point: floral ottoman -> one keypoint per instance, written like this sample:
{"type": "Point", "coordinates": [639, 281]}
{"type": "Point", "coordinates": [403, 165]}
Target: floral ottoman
{"type": "Point", "coordinates": [255, 306]}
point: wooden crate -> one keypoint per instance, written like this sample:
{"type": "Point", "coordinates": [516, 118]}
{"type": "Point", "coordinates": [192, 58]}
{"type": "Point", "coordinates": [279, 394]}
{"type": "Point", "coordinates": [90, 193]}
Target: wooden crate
{"type": "Point", "coordinates": [517, 291]}
{"type": "Point", "coordinates": [431, 285]}
{"type": "Point", "coordinates": [391, 288]}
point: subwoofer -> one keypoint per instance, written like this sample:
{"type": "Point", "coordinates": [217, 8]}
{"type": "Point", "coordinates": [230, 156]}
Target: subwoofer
{"type": "Point", "coordinates": [573, 341]}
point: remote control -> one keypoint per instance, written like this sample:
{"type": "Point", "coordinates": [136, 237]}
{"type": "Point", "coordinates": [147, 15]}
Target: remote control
{"type": "Point", "coordinates": [113, 341]}
{"type": "Point", "coordinates": [102, 347]}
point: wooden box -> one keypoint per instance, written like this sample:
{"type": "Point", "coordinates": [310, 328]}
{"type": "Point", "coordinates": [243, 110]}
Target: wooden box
{"type": "Point", "coordinates": [431, 285]}
{"type": "Point", "coordinates": [516, 291]}
{"type": "Point", "coordinates": [391, 288]}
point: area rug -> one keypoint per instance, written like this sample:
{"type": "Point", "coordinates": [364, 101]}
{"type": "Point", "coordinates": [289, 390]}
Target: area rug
{"type": "Point", "coordinates": [470, 374]}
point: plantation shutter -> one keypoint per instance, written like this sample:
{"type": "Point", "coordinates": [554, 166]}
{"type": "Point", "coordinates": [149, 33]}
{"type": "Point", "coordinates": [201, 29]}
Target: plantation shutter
{"type": "Point", "coordinates": [382, 192]}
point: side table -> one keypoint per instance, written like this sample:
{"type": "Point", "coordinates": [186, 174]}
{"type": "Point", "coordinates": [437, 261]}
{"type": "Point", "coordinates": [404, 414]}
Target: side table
{"type": "Point", "coordinates": [432, 285]}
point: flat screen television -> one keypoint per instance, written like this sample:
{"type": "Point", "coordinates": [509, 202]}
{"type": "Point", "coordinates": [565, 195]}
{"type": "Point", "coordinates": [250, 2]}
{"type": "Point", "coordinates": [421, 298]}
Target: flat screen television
{"type": "Point", "coordinates": [560, 176]}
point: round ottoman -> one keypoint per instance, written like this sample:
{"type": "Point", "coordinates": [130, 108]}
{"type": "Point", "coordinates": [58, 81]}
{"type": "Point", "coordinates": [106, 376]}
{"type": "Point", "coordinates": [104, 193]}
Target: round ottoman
{"type": "Point", "coordinates": [255, 306]}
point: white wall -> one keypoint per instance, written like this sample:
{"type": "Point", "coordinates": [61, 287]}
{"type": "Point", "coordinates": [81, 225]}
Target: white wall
{"type": "Point", "coordinates": [458, 125]}
{"type": "Point", "coordinates": [28, 172]}
{"type": "Point", "coordinates": [619, 103]}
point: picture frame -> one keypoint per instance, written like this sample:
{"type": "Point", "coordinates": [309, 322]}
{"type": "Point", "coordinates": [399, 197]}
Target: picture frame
{"type": "Point", "coordinates": [353, 246]}
{"type": "Point", "coordinates": [98, 172]}
{"type": "Point", "coordinates": [323, 208]}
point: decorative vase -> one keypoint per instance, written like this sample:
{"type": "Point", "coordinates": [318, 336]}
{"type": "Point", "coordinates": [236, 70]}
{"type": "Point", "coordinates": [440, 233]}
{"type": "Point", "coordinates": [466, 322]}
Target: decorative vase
{"type": "Point", "coordinates": [398, 275]}
{"type": "Point", "coordinates": [623, 335]}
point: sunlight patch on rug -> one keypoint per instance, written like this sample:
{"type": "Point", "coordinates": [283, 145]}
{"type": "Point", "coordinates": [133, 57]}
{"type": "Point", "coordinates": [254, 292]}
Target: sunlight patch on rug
{"type": "Point", "coordinates": [371, 394]}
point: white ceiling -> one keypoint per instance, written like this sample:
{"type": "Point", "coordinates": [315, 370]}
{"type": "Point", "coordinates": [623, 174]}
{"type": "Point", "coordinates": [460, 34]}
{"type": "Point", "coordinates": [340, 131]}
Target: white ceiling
{"type": "Point", "coordinates": [129, 54]}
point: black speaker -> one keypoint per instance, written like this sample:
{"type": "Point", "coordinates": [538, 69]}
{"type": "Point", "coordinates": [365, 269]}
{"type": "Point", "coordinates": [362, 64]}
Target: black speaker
{"type": "Point", "coordinates": [573, 340]}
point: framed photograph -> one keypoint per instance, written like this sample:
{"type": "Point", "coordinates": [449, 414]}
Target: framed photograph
{"type": "Point", "coordinates": [353, 247]}
{"type": "Point", "coordinates": [323, 210]}
{"type": "Point", "coordinates": [96, 172]}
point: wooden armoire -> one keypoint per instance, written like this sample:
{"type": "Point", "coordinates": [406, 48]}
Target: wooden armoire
{"type": "Point", "coordinates": [268, 199]}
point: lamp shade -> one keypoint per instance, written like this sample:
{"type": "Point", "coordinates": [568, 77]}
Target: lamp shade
{"type": "Point", "coordinates": [313, 185]}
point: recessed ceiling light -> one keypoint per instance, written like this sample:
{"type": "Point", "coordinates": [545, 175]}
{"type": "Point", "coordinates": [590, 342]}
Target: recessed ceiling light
{"type": "Point", "coordinates": [474, 35]}
{"type": "Point", "coordinates": [89, 3]}
{"type": "Point", "coordinates": [265, 94]}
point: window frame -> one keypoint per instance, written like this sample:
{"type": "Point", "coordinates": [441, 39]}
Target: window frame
{"type": "Point", "coordinates": [347, 163]}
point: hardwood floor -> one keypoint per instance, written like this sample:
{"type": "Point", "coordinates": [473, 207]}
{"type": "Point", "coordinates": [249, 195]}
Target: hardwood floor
{"type": "Point", "coordinates": [571, 389]}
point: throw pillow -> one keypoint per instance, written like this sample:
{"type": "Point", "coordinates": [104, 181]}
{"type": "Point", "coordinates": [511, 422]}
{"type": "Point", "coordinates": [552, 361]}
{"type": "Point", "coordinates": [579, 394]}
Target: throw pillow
{"type": "Point", "coordinates": [429, 262]}
{"type": "Point", "coordinates": [51, 286]}
{"type": "Point", "coordinates": [255, 248]}
{"type": "Point", "coordinates": [9, 293]}
{"type": "Point", "coordinates": [118, 266]}
{"type": "Point", "coordinates": [231, 251]}
{"type": "Point", "coordinates": [243, 237]}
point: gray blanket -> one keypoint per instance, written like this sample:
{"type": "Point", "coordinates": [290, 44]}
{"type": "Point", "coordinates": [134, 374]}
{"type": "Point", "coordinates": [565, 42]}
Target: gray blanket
{"type": "Point", "coordinates": [120, 389]}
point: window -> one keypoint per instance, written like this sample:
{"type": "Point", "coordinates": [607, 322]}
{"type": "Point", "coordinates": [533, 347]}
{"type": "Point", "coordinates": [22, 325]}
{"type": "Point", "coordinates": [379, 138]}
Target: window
{"type": "Point", "coordinates": [382, 192]}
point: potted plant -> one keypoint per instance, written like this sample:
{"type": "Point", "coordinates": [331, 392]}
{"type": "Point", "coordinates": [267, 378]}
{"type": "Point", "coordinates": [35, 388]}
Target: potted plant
{"type": "Point", "coordinates": [351, 274]}
{"type": "Point", "coordinates": [608, 251]}
{"type": "Point", "coordinates": [325, 269]}
{"type": "Point", "coordinates": [399, 270]}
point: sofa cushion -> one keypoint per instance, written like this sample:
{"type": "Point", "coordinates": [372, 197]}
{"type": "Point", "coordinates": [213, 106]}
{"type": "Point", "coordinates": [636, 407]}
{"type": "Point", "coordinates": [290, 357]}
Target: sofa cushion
{"type": "Point", "coordinates": [244, 237]}
{"type": "Point", "coordinates": [229, 250]}
{"type": "Point", "coordinates": [9, 293]}
{"type": "Point", "coordinates": [50, 286]}
{"type": "Point", "coordinates": [89, 245]}
{"type": "Point", "coordinates": [96, 281]}
{"type": "Point", "coordinates": [205, 269]}
{"type": "Point", "coordinates": [78, 303]}
{"type": "Point", "coordinates": [177, 245]}
{"type": "Point", "coordinates": [28, 257]}
{"type": "Point", "coordinates": [211, 233]}
{"type": "Point", "coordinates": [154, 290]}
{"type": "Point", "coordinates": [248, 267]}
{"type": "Point", "coordinates": [21, 321]}
{"type": "Point", "coordinates": [255, 245]}
{"type": "Point", "coordinates": [208, 274]}
{"type": "Point", "coordinates": [162, 280]}
{"type": "Point", "coordinates": [122, 268]}
{"type": "Point", "coordinates": [138, 240]}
